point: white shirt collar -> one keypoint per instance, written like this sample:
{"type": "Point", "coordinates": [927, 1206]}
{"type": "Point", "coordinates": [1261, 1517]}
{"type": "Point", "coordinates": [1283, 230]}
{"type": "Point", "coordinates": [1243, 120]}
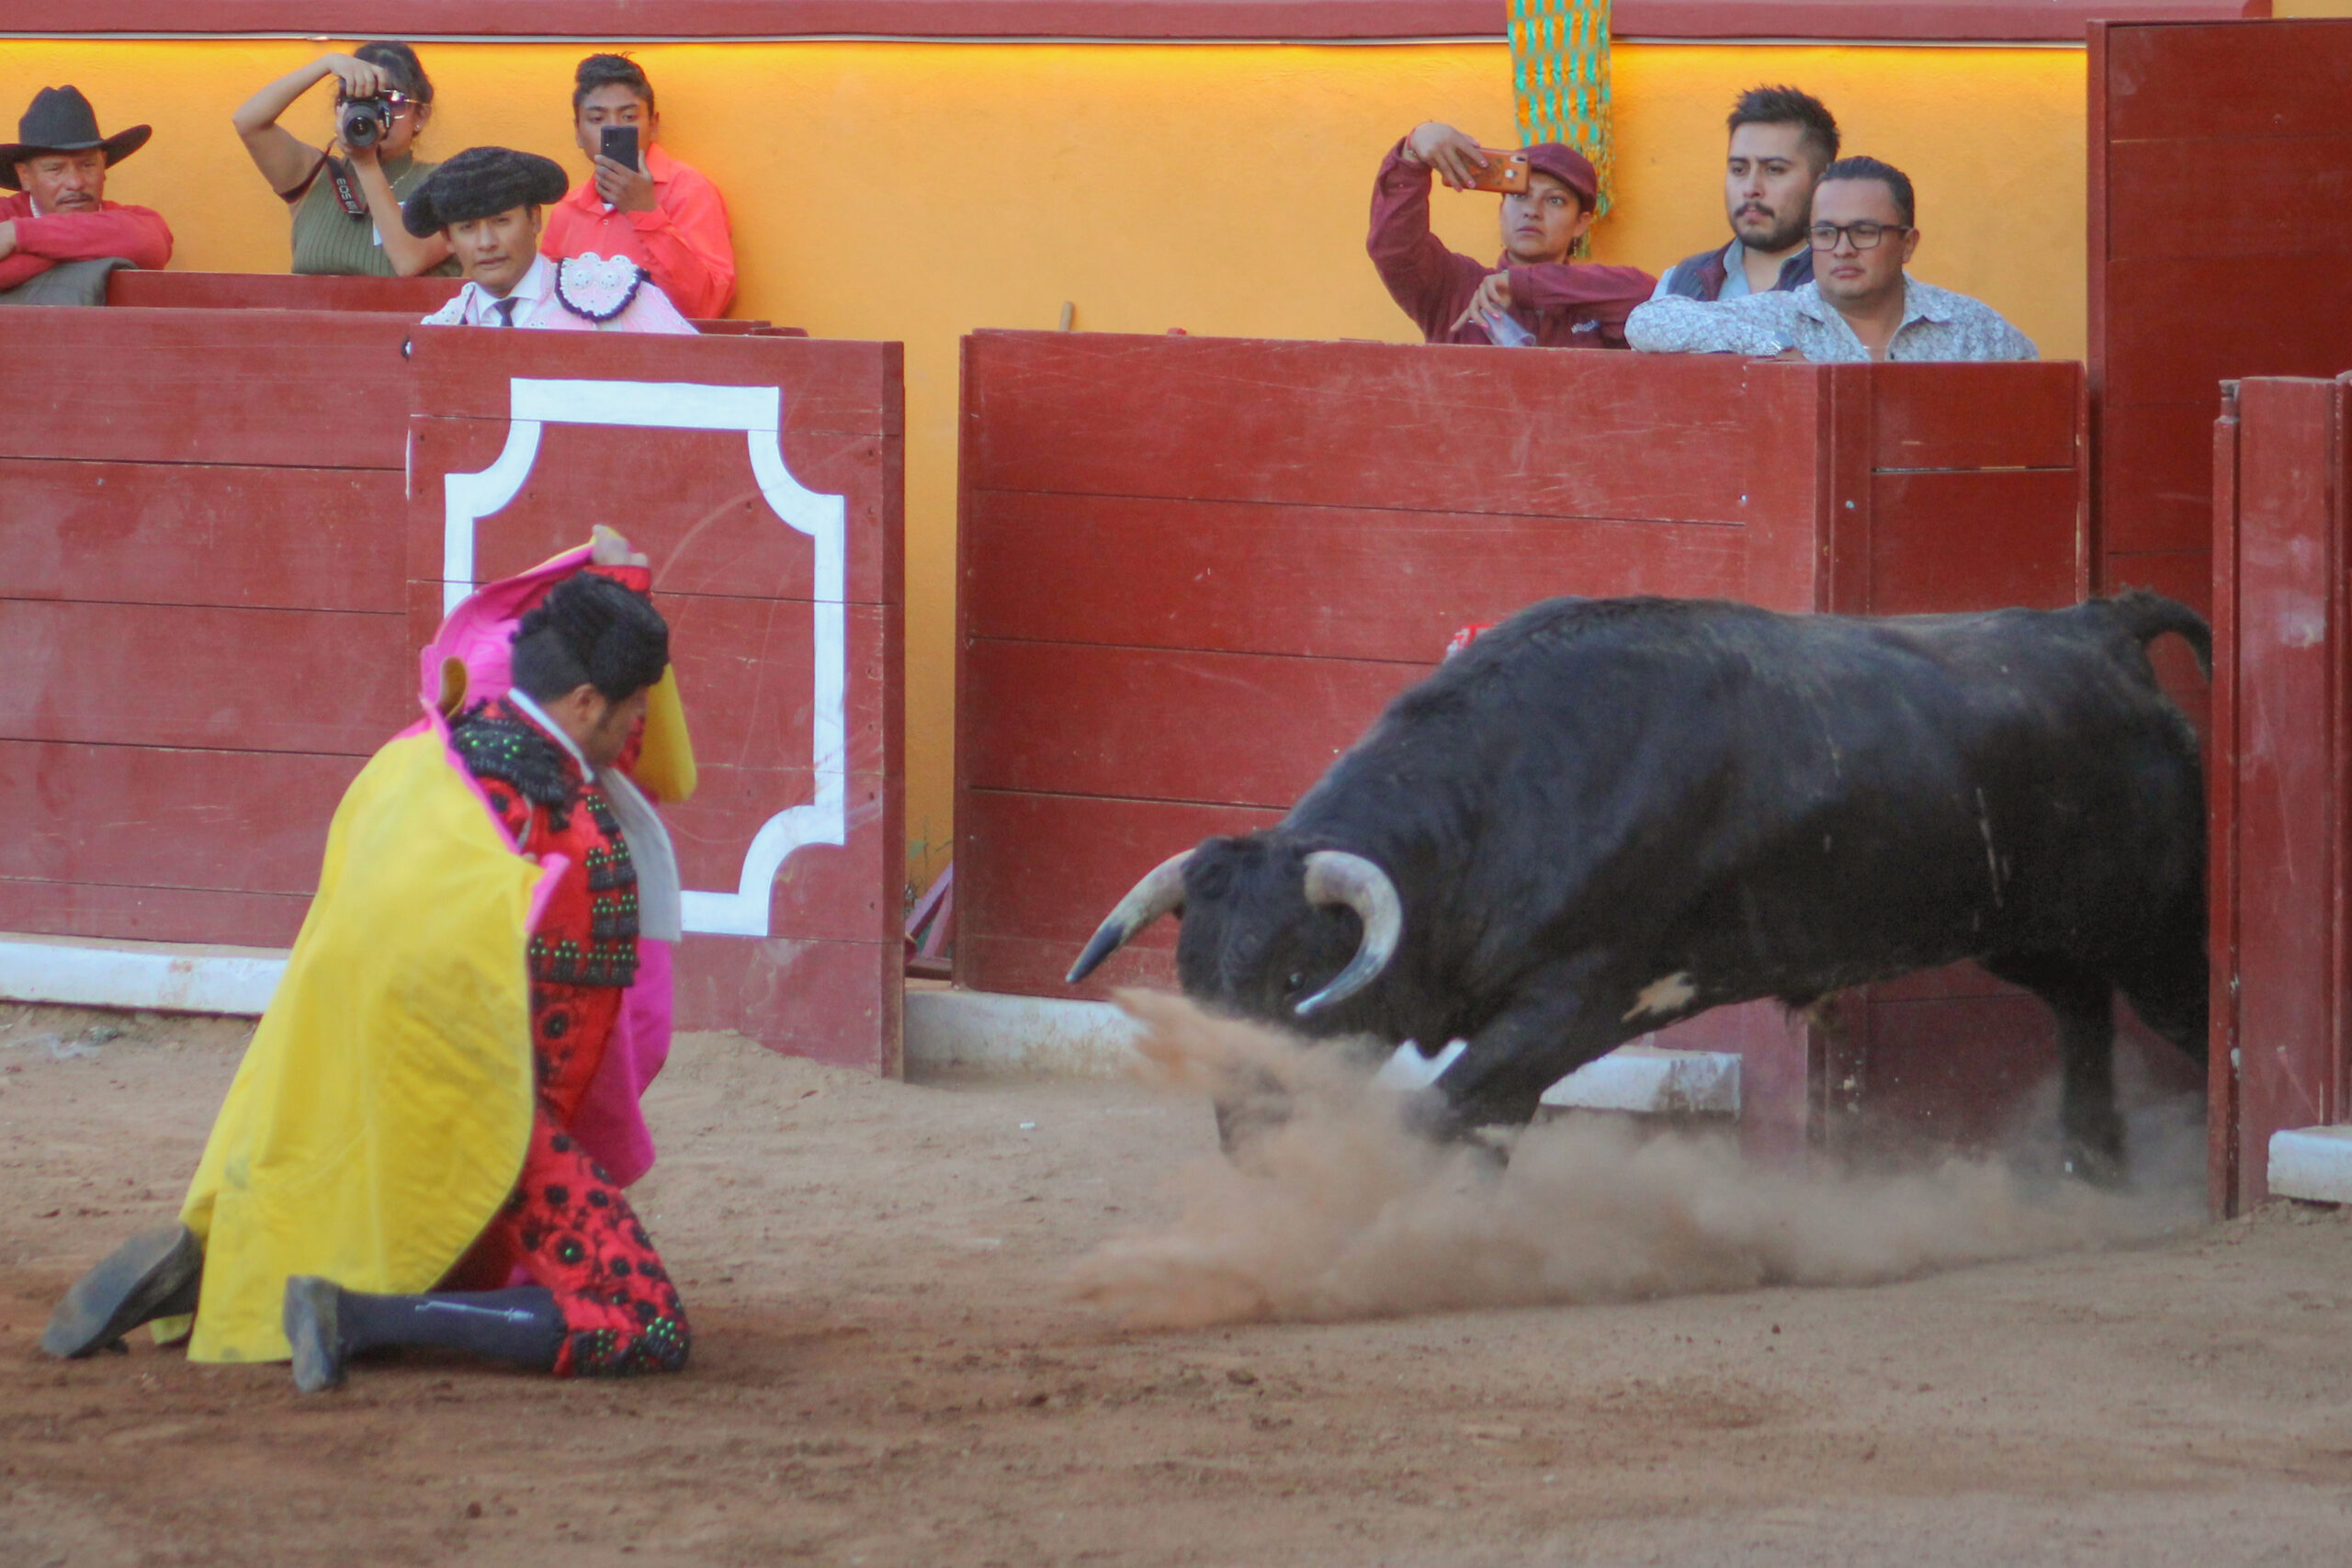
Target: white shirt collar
{"type": "Point", "coordinates": [527, 288]}
{"type": "Point", "coordinates": [538, 716]}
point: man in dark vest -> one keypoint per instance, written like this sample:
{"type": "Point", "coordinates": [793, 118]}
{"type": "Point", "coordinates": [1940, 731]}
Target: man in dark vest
{"type": "Point", "coordinates": [1781, 141]}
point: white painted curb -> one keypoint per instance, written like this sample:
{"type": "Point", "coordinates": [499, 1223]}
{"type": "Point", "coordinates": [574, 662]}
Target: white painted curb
{"type": "Point", "coordinates": [1651, 1080]}
{"type": "Point", "coordinates": [159, 976]}
{"type": "Point", "coordinates": [2313, 1163]}
{"type": "Point", "coordinates": [986, 1031]}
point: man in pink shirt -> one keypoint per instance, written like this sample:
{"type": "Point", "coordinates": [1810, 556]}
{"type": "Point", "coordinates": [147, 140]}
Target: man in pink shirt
{"type": "Point", "coordinates": [1533, 296]}
{"type": "Point", "coordinates": [58, 165]}
{"type": "Point", "coordinates": [486, 203]}
{"type": "Point", "coordinates": [658, 212]}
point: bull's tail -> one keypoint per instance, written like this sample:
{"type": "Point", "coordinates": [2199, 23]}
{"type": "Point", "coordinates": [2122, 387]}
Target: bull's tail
{"type": "Point", "coordinates": [2149, 616]}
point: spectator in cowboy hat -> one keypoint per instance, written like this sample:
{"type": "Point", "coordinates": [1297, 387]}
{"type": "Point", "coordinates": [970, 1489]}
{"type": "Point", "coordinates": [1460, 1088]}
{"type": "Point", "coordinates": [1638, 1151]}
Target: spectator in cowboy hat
{"type": "Point", "coordinates": [1533, 295]}
{"type": "Point", "coordinates": [59, 235]}
{"type": "Point", "coordinates": [486, 202]}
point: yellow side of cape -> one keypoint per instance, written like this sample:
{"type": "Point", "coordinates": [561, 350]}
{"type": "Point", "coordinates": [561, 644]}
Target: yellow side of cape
{"type": "Point", "coordinates": [384, 1109]}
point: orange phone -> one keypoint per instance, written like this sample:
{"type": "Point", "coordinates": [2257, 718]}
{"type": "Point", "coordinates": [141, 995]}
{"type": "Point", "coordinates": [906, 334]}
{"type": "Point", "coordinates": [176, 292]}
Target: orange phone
{"type": "Point", "coordinates": [1504, 171]}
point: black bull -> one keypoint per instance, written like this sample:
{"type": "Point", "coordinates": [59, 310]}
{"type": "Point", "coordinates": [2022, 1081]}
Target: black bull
{"type": "Point", "coordinates": [1606, 815]}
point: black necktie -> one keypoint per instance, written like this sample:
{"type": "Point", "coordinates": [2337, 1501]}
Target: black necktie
{"type": "Point", "coordinates": [504, 310]}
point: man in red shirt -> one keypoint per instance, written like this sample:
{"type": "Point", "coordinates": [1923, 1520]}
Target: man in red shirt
{"type": "Point", "coordinates": [660, 214]}
{"type": "Point", "coordinates": [58, 165]}
{"type": "Point", "coordinates": [1533, 294]}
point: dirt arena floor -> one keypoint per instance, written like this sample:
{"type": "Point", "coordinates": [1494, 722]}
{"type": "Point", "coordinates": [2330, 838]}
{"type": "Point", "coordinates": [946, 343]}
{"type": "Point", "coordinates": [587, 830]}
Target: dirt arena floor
{"type": "Point", "coordinates": [890, 1367]}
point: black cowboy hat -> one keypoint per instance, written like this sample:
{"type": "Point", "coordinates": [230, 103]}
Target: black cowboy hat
{"type": "Point", "coordinates": [62, 120]}
{"type": "Point", "coordinates": [479, 183]}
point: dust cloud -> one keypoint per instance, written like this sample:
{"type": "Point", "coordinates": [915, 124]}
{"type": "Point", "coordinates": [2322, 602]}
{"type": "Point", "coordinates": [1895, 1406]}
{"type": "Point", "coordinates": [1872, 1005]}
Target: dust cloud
{"type": "Point", "coordinates": [1341, 1212]}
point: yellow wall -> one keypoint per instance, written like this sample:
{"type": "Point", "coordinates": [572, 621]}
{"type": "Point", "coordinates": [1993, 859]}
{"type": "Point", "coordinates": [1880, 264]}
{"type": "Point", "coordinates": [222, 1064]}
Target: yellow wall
{"type": "Point", "coordinates": [918, 191]}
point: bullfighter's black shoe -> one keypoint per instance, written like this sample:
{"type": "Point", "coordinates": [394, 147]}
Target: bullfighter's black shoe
{"type": "Point", "coordinates": [155, 1274]}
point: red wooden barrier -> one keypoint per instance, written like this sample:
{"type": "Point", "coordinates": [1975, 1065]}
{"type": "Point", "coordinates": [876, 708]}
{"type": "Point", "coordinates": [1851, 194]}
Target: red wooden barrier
{"type": "Point", "coordinates": [217, 582]}
{"type": "Point", "coordinates": [411, 297]}
{"type": "Point", "coordinates": [2281, 773]}
{"type": "Point", "coordinates": [279, 292]}
{"type": "Point", "coordinates": [1193, 570]}
{"type": "Point", "coordinates": [2255, 116]}
{"type": "Point", "coordinates": [784, 585]}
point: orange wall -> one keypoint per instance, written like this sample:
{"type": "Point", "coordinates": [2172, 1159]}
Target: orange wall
{"type": "Point", "coordinates": [917, 191]}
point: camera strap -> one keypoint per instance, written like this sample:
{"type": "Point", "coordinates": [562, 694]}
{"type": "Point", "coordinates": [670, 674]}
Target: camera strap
{"type": "Point", "coordinates": [347, 194]}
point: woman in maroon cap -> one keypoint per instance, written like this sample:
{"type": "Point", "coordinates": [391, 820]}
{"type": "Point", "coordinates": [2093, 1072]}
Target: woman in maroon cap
{"type": "Point", "coordinates": [1534, 295]}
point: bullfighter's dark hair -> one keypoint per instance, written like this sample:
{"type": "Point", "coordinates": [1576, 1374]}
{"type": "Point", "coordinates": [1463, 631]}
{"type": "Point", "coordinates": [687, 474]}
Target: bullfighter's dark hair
{"type": "Point", "coordinates": [610, 71]}
{"type": "Point", "coordinates": [1787, 106]}
{"type": "Point", "coordinates": [591, 631]}
{"type": "Point", "coordinates": [1897, 183]}
{"type": "Point", "coordinates": [400, 63]}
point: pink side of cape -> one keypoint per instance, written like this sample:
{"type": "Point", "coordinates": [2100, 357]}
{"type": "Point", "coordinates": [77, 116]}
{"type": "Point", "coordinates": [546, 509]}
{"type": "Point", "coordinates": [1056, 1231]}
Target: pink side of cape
{"type": "Point", "coordinates": [609, 1123]}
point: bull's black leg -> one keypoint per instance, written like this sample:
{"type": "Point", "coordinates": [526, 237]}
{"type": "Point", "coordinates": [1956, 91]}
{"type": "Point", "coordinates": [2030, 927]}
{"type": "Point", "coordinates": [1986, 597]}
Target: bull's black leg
{"type": "Point", "coordinates": [1550, 1030]}
{"type": "Point", "coordinates": [2172, 989]}
{"type": "Point", "coordinates": [2083, 1001]}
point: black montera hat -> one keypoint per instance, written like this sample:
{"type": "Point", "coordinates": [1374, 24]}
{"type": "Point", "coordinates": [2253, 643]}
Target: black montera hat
{"type": "Point", "coordinates": [62, 120]}
{"type": "Point", "coordinates": [479, 182]}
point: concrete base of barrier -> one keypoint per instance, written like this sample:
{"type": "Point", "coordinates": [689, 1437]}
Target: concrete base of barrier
{"type": "Point", "coordinates": [955, 1031]}
{"type": "Point", "coordinates": [160, 976]}
{"type": "Point", "coordinates": [952, 1031]}
{"type": "Point", "coordinates": [2314, 1164]}
{"type": "Point", "coordinates": [1650, 1080]}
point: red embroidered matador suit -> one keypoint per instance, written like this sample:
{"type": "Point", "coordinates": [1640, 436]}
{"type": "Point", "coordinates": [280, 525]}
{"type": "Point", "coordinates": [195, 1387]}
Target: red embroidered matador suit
{"type": "Point", "coordinates": [567, 1226]}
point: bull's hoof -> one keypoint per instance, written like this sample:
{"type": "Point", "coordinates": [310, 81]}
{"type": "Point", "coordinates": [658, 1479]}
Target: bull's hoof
{"type": "Point", "coordinates": [2102, 1168]}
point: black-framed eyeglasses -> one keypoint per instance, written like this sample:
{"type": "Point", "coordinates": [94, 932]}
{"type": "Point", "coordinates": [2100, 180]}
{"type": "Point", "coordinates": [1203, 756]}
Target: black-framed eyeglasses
{"type": "Point", "coordinates": [1864, 236]}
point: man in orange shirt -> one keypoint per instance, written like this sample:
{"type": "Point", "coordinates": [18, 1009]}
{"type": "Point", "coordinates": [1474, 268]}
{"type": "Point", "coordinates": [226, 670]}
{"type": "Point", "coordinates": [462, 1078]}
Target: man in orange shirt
{"type": "Point", "coordinates": [660, 214]}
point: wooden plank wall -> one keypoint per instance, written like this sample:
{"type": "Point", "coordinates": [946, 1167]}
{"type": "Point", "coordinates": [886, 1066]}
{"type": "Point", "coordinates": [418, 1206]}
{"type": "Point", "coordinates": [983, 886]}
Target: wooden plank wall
{"type": "Point", "coordinates": [217, 584]}
{"type": "Point", "coordinates": [194, 508]}
{"type": "Point", "coordinates": [738, 585]}
{"type": "Point", "coordinates": [1193, 570]}
{"type": "Point", "coordinates": [412, 297]}
{"type": "Point", "coordinates": [2281, 766]}
{"type": "Point", "coordinates": [2220, 157]}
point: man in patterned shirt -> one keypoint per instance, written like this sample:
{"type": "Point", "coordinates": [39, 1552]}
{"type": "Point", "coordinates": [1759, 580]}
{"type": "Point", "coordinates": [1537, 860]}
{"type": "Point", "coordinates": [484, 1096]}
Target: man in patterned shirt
{"type": "Point", "coordinates": [1861, 305]}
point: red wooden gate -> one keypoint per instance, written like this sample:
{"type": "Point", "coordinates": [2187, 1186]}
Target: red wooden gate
{"type": "Point", "coordinates": [2281, 772]}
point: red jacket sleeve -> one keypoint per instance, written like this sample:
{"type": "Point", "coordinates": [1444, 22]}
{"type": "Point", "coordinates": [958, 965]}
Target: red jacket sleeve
{"type": "Point", "coordinates": [1603, 294]}
{"type": "Point", "coordinates": [1432, 283]}
{"type": "Point", "coordinates": [136, 233]}
{"type": "Point", "coordinates": [689, 250]}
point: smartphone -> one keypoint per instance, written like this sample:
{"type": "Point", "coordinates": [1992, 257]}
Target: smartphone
{"type": "Point", "coordinates": [618, 142]}
{"type": "Point", "coordinates": [1504, 171]}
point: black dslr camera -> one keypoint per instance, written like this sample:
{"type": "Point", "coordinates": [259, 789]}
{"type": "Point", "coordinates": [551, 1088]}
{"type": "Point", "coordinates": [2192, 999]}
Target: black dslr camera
{"type": "Point", "coordinates": [363, 122]}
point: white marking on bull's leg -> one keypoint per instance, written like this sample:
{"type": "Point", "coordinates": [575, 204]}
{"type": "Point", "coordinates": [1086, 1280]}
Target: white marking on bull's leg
{"type": "Point", "coordinates": [1992, 859]}
{"type": "Point", "coordinates": [1408, 1069]}
{"type": "Point", "coordinates": [1671, 993]}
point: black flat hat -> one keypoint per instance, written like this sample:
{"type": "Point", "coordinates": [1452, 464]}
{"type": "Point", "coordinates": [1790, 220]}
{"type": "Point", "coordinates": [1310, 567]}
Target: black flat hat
{"type": "Point", "coordinates": [479, 182]}
{"type": "Point", "coordinates": [62, 120]}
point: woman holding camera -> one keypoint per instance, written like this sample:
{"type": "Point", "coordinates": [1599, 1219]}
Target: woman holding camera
{"type": "Point", "coordinates": [346, 200]}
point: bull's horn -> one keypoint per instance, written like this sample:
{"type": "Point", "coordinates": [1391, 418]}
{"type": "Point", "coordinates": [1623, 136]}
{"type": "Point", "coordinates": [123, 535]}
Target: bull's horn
{"type": "Point", "coordinates": [1160, 893]}
{"type": "Point", "coordinates": [1335, 876]}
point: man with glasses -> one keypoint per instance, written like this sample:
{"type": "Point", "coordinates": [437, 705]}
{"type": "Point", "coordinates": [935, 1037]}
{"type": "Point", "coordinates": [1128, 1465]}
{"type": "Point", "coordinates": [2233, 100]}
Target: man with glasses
{"type": "Point", "coordinates": [1861, 304]}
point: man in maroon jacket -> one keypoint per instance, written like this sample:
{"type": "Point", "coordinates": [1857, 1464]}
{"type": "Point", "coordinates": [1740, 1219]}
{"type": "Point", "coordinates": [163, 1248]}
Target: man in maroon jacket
{"type": "Point", "coordinates": [58, 164]}
{"type": "Point", "coordinates": [1534, 293]}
